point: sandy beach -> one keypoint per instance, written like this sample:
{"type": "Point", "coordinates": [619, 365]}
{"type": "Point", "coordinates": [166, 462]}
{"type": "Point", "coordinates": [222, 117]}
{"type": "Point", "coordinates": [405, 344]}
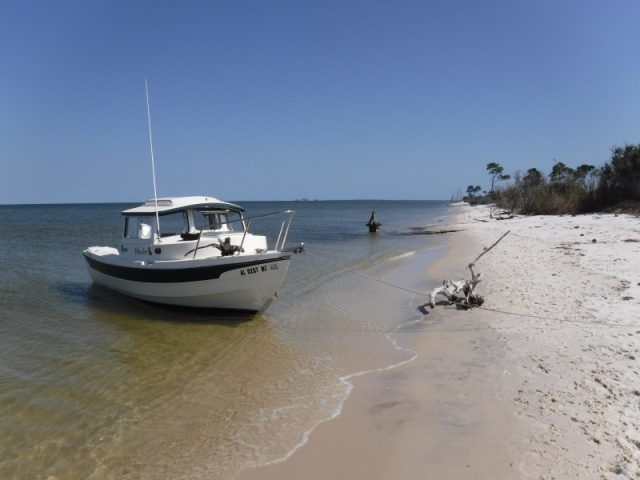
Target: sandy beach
{"type": "Point", "coordinates": [542, 382]}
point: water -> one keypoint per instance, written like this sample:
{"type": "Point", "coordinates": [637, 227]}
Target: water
{"type": "Point", "coordinates": [96, 385]}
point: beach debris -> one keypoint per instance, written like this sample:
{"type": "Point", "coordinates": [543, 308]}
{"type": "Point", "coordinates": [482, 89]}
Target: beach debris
{"type": "Point", "coordinates": [501, 214]}
{"type": "Point", "coordinates": [373, 224]}
{"type": "Point", "coordinates": [451, 288]}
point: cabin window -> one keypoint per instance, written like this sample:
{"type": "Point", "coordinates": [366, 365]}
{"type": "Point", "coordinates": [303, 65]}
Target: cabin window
{"type": "Point", "coordinates": [173, 224]}
{"type": "Point", "coordinates": [200, 220]}
{"type": "Point", "coordinates": [131, 227]}
{"type": "Point", "coordinates": [217, 221]}
{"type": "Point", "coordinates": [138, 227]}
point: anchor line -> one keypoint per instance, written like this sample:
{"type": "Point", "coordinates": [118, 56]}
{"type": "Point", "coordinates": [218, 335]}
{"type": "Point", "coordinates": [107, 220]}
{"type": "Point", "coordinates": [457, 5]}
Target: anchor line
{"type": "Point", "coordinates": [466, 306]}
{"type": "Point", "coordinates": [362, 274]}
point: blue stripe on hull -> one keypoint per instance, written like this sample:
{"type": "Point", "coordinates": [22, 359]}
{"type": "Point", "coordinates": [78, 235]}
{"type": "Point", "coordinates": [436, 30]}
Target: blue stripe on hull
{"type": "Point", "coordinates": [174, 275]}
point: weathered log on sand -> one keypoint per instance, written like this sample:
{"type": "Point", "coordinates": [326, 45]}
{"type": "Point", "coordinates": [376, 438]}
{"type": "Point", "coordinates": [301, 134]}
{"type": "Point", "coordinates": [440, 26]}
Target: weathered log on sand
{"type": "Point", "coordinates": [451, 288]}
{"type": "Point", "coordinates": [502, 214]}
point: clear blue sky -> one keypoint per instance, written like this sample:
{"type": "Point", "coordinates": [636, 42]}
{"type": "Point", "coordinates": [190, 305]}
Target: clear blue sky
{"type": "Point", "coordinates": [325, 99]}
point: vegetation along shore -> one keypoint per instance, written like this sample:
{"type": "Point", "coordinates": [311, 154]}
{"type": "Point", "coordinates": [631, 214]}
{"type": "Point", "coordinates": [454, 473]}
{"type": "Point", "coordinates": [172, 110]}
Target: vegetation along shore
{"type": "Point", "coordinates": [567, 190]}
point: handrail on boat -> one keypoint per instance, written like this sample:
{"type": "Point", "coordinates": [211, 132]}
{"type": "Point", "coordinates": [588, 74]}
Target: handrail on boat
{"type": "Point", "coordinates": [280, 242]}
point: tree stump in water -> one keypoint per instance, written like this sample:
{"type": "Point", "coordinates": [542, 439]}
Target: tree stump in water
{"type": "Point", "coordinates": [373, 224]}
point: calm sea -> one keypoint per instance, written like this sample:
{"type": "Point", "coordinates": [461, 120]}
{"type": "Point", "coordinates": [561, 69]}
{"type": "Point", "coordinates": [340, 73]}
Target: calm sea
{"type": "Point", "coordinates": [96, 385]}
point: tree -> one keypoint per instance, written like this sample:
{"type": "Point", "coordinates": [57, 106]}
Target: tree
{"type": "Point", "coordinates": [471, 190]}
{"type": "Point", "coordinates": [495, 172]}
{"type": "Point", "coordinates": [560, 172]}
{"type": "Point", "coordinates": [583, 171]}
{"type": "Point", "coordinates": [533, 178]}
{"type": "Point", "coordinates": [625, 163]}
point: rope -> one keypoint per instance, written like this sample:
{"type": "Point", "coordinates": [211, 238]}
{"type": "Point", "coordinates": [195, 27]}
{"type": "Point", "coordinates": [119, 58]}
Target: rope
{"type": "Point", "coordinates": [457, 302]}
{"type": "Point", "coordinates": [362, 274]}
{"type": "Point", "coordinates": [478, 257]}
{"type": "Point", "coordinates": [538, 317]}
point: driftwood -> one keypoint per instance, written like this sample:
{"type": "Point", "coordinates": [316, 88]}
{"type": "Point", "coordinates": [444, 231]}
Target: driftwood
{"type": "Point", "coordinates": [226, 248]}
{"type": "Point", "coordinates": [452, 289]}
{"type": "Point", "coordinates": [502, 214]}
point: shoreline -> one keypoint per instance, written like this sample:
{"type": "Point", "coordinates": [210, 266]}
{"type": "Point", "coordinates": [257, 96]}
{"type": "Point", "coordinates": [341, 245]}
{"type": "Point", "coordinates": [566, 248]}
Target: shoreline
{"type": "Point", "coordinates": [542, 383]}
{"type": "Point", "coordinates": [380, 432]}
{"type": "Point", "coordinates": [287, 468]}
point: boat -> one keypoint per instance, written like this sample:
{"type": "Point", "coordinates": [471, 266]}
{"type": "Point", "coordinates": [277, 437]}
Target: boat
{"type": "Point", "coordinates": [195, 252]}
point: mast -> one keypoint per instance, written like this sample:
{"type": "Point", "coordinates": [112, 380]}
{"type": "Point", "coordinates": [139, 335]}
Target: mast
{"type": "Point", "coordinates": [153, 166]}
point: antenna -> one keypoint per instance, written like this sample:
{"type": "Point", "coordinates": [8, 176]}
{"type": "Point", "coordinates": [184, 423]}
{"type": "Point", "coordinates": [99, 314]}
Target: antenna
{"type": "Point", "coordinates": [153, 166]}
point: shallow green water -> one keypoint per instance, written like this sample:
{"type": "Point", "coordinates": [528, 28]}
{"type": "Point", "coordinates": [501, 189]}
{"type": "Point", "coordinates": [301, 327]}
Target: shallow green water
{"type": "Point", "coordinates": [96, 385]}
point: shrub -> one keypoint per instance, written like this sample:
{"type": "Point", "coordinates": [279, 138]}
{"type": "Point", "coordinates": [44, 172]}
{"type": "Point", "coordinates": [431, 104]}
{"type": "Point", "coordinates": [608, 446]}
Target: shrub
{"type": "Point", "coordinates": [581, 190]}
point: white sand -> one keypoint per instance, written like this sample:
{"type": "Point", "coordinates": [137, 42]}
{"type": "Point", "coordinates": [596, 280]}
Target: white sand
{"type": "Point", "coordinates": [574, 369]}
{"type": "Point", "coordinates": [543, 382]}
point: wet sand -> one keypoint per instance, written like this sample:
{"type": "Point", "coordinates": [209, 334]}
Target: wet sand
{"type": "Point", "coordinates": [543, 382]}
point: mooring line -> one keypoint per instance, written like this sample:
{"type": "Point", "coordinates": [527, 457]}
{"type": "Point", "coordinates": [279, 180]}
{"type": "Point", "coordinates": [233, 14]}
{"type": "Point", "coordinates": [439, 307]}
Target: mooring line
{"type": "Point", "coordinates": [497, 241]}
{"type": "Point", "coordinates": [457, 302]}
{"type": "Point", "coordinates": [362, 274]}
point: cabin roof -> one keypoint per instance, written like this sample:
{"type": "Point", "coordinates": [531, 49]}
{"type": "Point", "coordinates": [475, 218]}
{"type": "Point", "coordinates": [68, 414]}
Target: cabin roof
{"type": "Point", "coordinates": [168, 205]}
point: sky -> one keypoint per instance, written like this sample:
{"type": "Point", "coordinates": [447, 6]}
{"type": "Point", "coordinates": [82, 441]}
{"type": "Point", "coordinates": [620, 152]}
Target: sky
{"type": "Point", "coordinates": [293, 99]}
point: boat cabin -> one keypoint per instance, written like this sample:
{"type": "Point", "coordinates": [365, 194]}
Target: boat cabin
{"type": "Point", "coordinates": [187, 223]}
{"type": "Point", "coordinates": [179, 225]}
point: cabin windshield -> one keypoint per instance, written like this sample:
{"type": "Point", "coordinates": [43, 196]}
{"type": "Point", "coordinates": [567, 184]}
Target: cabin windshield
{"type": "Point", "coordinates": [173, 224]}
{"type": "Point", "coordinates": [142, 227]}
{"type": "Point", "coordinates": [218, 220]}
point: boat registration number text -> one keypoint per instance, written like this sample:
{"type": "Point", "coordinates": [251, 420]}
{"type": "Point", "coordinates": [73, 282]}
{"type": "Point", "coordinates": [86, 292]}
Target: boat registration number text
{"type": "Point", "coordinates": [258, 269]}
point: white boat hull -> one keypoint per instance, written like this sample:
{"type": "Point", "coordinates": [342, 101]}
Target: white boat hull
{"type": "Point", "coordinates": [248, 282]}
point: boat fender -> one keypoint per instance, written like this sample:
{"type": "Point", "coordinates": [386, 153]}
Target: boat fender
{"type": "Point", "coordinates": [158, 250]}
